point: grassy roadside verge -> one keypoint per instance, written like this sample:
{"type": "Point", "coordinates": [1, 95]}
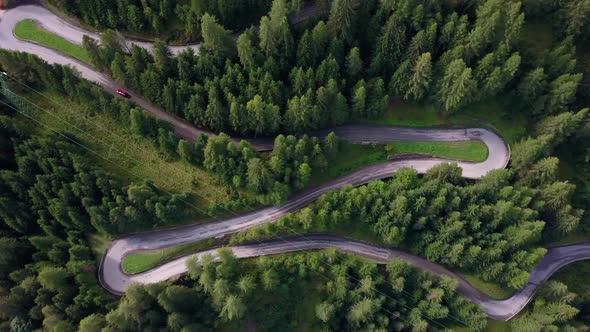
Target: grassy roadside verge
{"type": "Point", "coordinates": [491, 289]}
{"type": "Point", "coordinates": [468, 150]}
{"type": "Point", "coordinates": [353, 156]}
{"type": "Point", "coordinates": [138, 262]}
{"type": "Point", "coordinates": [29, 30]}
{"type": "Point", "coordinates": [488, 111]}
{"type": "Point", "coordinates": [172, 33]}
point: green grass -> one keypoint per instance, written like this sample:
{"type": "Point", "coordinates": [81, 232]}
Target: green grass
{"type": "Point", "coordinates": [485, 113]}
{"type": "Point", "coordinates": [468, 150]}
{"type": "Point", "coordinates": [29, 30]}
{"type": "Point", "coordinates": [489, 288]}
{"type": "Point", "coordinates": [492, 326]}
{"type": "Point", "coordinates": [352, 157]}
{"type": "Point", "coordinates": [581, 235]}
{"type": "Point", "coordinates": [497, 326]}
{"type": "Point", "coordinates": [142, 261]}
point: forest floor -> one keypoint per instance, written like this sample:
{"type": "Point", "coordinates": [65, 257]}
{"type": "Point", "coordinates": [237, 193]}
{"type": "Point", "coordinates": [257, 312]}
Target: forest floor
{"type": "Point", "coordinates": [30, 30]}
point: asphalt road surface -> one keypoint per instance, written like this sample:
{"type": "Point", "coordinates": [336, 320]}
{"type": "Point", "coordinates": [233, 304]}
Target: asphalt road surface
{"type": "Point", "coordinates": [115, 280]}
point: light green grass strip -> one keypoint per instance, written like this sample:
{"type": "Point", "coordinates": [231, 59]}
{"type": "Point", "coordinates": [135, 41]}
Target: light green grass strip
{"type": "Point", "coordinates": [467, 150]}
{"type": "Point", "coordinates": [142, 261]}
{"type": "Point", "coordinates": [353, 156]}
{"type": "Point", "coordinates": [29, 30]}
{"type": "Point", "coordinates": [491, 289]}
{"type": "Point", "coordinates": [491, 111]}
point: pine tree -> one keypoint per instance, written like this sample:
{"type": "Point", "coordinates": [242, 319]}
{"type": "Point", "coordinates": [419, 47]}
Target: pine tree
{"type": "Point", "coordinates": [246, 51]}
{"type": "Point", "coordinates": [275, 35]}
{"type": "Point", "coordinates": [163, 58]}
{"type": "Point", "coordinates": [359, 100]}
{"type": "Point", "coordinates": [118, 69]}
{"type": "Point", "coordinates": [215, 115]}
{"type": "Point", "coordinates": [216, 38]}
{"type": "Point", "coordinates": [420, 81]}
{"type": "Point", "coordinates": [457, 87]}
{"type": "Point", "coordinates": [398, 84]}
{"type": "Point", "coordinates": [305, 51]}
{"type": "Point", "coordinates": [531, 88]}
{"type": "Point", "coordinates": [265, 116]}
{"type": "Point", "coordinates": [325, 311]}
{"type": "Point", "coordinates": [233, 308]}
{"type": "Point", "coordinates": [301, 114]}
{"type": "Point", "coordinates": [111, 44]}
{"type": "Point", "coordinates": [93, 50]}
{"type": "Point", "coordinates": [320, 39]}
{"type": "Point", "coordinates": [259, 177]}
{"type": "Point", "coordinates": [389, 47]}
{"type": "Point", "coordinates": [576, 17]}
{"type": "Point", "coordinates": [562, 92]}
{"type": "Point", "coordinates": [341, 22]}
{"type": "Point", "coordinates": [354, 65]}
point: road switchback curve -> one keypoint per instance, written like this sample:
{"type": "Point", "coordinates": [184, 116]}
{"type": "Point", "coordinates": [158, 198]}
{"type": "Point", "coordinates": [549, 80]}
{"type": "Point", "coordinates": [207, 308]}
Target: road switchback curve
{"type": "Point", "coordinates": [115, 280]}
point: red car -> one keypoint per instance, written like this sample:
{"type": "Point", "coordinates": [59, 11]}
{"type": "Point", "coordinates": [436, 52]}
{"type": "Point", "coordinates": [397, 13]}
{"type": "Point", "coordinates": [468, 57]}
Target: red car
{"type": "Point", "coordinates": [122, 93]}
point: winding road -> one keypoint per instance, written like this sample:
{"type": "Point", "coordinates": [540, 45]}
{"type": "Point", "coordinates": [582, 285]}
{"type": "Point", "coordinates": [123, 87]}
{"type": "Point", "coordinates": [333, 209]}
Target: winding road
{"type": "Point", "coordinates": [115, 280]}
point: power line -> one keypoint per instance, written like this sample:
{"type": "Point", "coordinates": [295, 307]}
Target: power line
{"type": "Point", "coordinates": [319, 273]}
{"type": "Point", "coordinates": [191, 205]}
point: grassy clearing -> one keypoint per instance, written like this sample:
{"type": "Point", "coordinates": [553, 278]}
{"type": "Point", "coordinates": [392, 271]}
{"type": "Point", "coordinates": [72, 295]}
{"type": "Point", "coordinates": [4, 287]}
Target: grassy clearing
{"type": "Point", "coordinates": [468, 150]}
{"type": "Point", "coordinates": [489, 112]}
{"type": "Point", "coordinates": [489, 288]}
{"type": "Point", "coordinates": [142, 261]}
{"type": "Point", "coordinates": [29, 30]}
{"type": "Point", "coordinates": [130, 156]}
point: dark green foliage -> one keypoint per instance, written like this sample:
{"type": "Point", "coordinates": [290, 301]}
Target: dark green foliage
{"type": "Point", "coordinates": [69, 194]}
{"type": "Point", "coordinates": [157, 17]}
{"type": "Point", "coordinates": [530, 158]}
{"type": "Point", "coordinates": [352, 293]}
{"type": "Point", "coordinates": [310, 80]}
{"type": "Point", "coordinates": [490, 227]}
{"type": "Point", "coordinates": [216, 38]}
{"type": "Point", "coordinates": [274, 79]}
{"type": "Point", "coordinates": [569, 18]}
{"type": "Point", "coordinates": [551, 310]}
{"type": "Point", "coordinates": [287, 168]}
